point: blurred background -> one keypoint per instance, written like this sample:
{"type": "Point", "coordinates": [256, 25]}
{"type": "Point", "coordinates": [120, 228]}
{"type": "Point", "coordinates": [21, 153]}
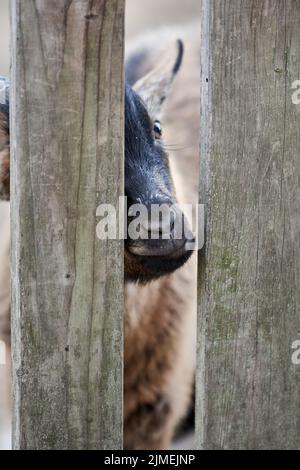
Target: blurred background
{"type": "Point", "coordinates": [4, 37]}
{"type": "Point", "coordinates": [141, 16]}
{"type": "Point", "coordinates": [4, 220]}
{"type": "Point", "coordinates": [4, 67]}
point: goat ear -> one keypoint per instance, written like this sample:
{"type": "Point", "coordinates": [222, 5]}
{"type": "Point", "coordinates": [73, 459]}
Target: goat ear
{"type": "Point", "coordinates": [154, 87]}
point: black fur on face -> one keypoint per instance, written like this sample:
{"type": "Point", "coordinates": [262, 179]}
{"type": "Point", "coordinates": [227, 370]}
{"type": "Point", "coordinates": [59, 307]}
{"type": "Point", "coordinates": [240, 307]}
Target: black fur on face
{"type": "Point", "coordinates": [147, 181]}
{"type": "Point", "coordinates": [147, 174]}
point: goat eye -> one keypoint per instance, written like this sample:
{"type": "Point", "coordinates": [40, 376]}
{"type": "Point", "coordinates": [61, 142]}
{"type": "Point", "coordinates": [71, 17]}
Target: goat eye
{"type": "Point", "coordinates": [157, 130]}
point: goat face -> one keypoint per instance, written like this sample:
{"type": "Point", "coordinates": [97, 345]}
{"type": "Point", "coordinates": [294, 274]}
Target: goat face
{"type": "Point", "coordinates": [147, 176]}
{"type": "Point", "coordinates": [148, 180]}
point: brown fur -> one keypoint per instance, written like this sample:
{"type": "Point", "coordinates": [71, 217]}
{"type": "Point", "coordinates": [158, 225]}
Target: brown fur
{"type": "Point", "coordinates": [4, 275]}
{"type": "Point", "coordinates": [159, 358]}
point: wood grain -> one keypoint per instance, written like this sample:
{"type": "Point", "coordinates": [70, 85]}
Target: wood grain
{"type": "Point", "coordinates": [248, 390]}
{"type": "Point", "coordinates": [67, 286]}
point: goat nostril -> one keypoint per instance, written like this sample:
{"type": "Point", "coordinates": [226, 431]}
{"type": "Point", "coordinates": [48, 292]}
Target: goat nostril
{"type": "Point", "coordinates": [162, 226]}
{"type": "Point", "coordinates": [172, 221]}
{"type": "Point", "coordinates": [163, 221]}
{"type": "Point", "coordinates": [167, 225]}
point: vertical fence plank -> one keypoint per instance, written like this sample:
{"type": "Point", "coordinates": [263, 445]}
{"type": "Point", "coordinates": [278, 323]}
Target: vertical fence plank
{"type": "Point", "coordinates": [67, 158]}
{"type": "Point", "coordinates": [248, 389]}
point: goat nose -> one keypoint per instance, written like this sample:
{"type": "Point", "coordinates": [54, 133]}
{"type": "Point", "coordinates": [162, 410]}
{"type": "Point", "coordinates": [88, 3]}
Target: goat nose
{"type": "Point", "coordinates": [166, 236]}
{"type": "Point", "coordinates": [160, 224]}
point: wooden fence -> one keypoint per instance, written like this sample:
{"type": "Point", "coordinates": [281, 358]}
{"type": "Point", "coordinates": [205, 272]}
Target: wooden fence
{"type": "Point", "coordinates": [248, 390]}
{"type": "Point", "coordinates": [67, 157]}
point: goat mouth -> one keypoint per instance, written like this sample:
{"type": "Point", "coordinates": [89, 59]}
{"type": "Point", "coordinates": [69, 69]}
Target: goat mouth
{"type": "Point", "coordinates": [149, 268]}
{"type": "Point", "coordinates": [159, 250]}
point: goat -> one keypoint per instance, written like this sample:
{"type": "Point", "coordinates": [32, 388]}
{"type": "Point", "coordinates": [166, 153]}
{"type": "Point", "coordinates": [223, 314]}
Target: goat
{"type": "Point", "coordinates": [160, 278]}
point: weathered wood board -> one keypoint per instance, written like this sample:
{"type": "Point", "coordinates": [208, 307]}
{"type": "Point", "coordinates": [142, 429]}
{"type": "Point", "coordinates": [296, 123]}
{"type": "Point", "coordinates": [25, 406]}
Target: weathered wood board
{"type": "Point", "coordinates": [248, 389]}
{"type": "Point", "coordinates": [67, 286]}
